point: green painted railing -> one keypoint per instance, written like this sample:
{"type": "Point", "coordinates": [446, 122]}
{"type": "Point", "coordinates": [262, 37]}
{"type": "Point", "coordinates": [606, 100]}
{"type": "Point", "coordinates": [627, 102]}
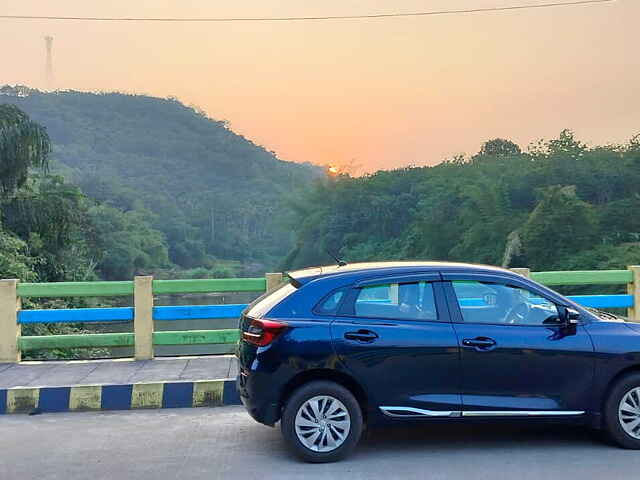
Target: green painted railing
{"type": "Point", "coordinates": [162, 287]}
{"type": "Point", "coordinates": [93, 340]}
{"type": "Point", "coordinates": [121, 289]}
{"type": "Point", "coordinates": [189, 337]}
{"type": "Point", "coordinates": [75, 289]}
{"type": "Point", "coordinates": [598, 277]}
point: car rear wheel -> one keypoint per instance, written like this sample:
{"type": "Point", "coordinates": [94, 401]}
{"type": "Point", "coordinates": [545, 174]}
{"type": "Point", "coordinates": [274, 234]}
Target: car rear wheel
{"type": "Point", "coordinates": [622, 412]}
{"type": "Point", "coordinates": [321, 422]}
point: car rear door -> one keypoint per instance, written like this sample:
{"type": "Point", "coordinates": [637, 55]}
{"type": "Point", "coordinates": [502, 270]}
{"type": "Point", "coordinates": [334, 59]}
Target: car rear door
{"type": "Point", "coordinates": [516, 356]}
{"type": "Point", "coordinates": [394, 335]}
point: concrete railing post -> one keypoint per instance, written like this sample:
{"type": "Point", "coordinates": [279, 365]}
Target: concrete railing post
{"type": "Point", "coordinates": [525, 272]}
{"type": "Point", "coordinates": [633, 288]}
{"type": "Point", "coordinates": [9, 326]}
{"type": "Point", "coordinates": [273, 281]}
{"type": "Point", "coordinates": [143, 317]}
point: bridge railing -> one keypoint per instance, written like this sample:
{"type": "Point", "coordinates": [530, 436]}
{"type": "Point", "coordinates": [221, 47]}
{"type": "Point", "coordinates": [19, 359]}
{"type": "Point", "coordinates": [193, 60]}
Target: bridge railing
{"type": "Point", "coordinates": [143, 313]}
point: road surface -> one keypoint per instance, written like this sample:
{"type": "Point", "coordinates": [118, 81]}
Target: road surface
{"type": "Point", "coordinates": [222, 443]}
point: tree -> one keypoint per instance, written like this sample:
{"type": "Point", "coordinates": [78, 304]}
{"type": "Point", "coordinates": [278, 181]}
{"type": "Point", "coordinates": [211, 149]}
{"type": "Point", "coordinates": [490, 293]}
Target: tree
{"type": "Point", "coordinates": [126, 243]}
{"type": "Point", "coordinates": [23, 144]}
{"type": "Point", "coordinates": [50, 215]}
{"type": "Point", "coordinates": [14, 262]}
{"type": "Point", "coordinates": [499, 147]}
{"type": "Point", "coordinates": [557, 228]}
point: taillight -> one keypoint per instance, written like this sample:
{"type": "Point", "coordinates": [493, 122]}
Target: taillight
{"type": "Point", "coordinates": [263, 332]}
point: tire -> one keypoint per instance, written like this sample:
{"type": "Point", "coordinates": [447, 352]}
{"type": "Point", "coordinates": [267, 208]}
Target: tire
{"type": "Point", "coordinates": [625, 392]}
{"type": "Point", "coordinates": [325, 442]}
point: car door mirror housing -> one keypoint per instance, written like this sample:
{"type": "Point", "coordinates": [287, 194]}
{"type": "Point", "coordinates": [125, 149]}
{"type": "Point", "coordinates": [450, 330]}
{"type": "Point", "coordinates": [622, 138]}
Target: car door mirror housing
{"type": "Point", "coordinates": [570, 316]}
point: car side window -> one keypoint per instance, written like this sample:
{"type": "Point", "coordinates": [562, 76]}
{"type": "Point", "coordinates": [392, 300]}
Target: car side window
{"type": "Point", "coordinates": [495, 303]}
{"type": "Point", "coordinates": [329, 305]}
{"type": "Point", "coordinates": [405, 301]}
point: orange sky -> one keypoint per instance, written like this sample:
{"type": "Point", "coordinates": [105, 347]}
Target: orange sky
{"type": "Point", "coordinates": [386, 93]}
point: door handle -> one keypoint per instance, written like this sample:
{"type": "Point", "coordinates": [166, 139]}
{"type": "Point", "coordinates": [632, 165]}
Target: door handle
{"type": "Point", "coordinates": [479, 343]}
{"type": "Point", "coordinates": [361, 336]}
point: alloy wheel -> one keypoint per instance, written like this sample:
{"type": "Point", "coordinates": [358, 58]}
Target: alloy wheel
{"type": "Point", "coordinates": [322, 423]}
{"type": "Point", "coordinates": [629, 413]}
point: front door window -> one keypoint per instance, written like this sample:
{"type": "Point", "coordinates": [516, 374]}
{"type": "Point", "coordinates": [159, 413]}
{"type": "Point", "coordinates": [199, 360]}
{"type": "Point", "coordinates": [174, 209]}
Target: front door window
{"type": "Point", "coordinates": [495, 303]}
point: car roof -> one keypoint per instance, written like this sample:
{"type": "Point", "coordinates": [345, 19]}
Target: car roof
{"type": "Point", "coordinates": [381, 268]}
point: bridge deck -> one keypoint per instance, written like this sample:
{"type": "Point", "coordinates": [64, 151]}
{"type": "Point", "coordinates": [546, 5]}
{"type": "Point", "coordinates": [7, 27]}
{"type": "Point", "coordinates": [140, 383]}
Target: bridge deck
{"type": "Point", "coordinates": [116, 372]}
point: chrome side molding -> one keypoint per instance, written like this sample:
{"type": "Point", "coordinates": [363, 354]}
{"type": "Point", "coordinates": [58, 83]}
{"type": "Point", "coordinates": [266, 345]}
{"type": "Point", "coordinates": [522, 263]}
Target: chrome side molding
{"type": "Point", "coordinates": [521, 413]}
{"type": "Point", "coordinates": [408, 412]}
{"type": "Point", "coordinates": [416, 412]}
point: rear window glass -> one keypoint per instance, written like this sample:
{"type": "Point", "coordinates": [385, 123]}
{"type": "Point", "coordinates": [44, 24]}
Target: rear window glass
{"type": "Point", "coordinates": [329, 306]}
{"type": "Point", "coordinates": [263, 305]}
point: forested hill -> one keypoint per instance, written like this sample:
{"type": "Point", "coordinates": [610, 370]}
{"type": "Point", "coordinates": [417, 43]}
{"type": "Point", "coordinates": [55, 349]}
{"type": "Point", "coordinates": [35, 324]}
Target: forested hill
{"type": "Point", "coordinates": [211, 192]}
{"type": "Point", "coordinates": [559, 205]}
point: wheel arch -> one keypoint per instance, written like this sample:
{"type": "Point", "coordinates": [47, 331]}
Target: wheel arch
{"type": "Point", "coordinates": [338, 377]}
{"type": "Point", "coordinates": [615, 379]}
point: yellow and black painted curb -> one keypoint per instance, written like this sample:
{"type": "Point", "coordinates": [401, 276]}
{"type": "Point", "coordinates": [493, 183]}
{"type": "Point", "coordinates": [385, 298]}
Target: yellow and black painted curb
{"type": "Point", "coordinates": [200, 393]}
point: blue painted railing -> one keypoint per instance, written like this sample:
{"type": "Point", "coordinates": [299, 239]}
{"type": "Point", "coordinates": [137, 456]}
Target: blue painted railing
{"type": "Point", "coordinates": [191, 312]}
{"type": "Point", "coordinates": [593, 301]}
{"type": "Point", "coordinates": [125, 314]}
{"type": "Point", "coordinates": [603, 301]}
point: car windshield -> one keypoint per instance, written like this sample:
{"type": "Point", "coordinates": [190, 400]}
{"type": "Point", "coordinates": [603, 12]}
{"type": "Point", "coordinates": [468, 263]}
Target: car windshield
{"type": "Point", "coordinates": [606, 315]}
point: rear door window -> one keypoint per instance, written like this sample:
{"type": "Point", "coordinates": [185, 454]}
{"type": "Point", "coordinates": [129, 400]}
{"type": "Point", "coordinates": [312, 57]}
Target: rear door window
{"type": "Point", "coordinates": [404, 301]}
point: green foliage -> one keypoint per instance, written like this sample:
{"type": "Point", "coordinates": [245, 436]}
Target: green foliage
{"type": "Point", "coordinates": [23, 144]}
{"type": "Point", "coordinates": [50, 216]}
{"type": "Point", "coordinates": [211, 192]}
{"type": "Point", "coordinates": [14, 261]}
{"type": "Point", "coordinates": [126, 241]}
{"type": "Point", "coordinates": [561, 205]}
{"type": "Point", "coordinates": [560, 225]}
{"type": "Point", "coordinates": [499, 146]}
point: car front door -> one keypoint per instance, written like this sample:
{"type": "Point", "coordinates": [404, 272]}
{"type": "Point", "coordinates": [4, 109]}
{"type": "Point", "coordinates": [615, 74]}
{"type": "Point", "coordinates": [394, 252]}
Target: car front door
{"type": "Point", "coordinates": [395, 337]}
{"type": "Point", "coordinates": [517, 355]}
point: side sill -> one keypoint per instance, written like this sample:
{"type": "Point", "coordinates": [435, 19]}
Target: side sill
{"type": "Point", "coordinates": [409, 412]}
{"type": "Point", "coordinates": [523, 413]}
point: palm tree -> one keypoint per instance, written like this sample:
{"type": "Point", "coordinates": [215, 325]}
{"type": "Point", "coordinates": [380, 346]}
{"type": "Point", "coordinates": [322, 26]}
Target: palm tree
{"type": "Point", "coordinates": [23, 144]}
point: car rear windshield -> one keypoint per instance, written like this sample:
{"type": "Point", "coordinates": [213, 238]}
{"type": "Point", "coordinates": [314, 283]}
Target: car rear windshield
{"type": "Point", "coordinates": [265, 303]}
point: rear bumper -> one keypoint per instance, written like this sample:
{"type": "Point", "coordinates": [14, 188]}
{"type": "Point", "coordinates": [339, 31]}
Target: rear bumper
{"type": "Point", "coordinates": [259, 398]}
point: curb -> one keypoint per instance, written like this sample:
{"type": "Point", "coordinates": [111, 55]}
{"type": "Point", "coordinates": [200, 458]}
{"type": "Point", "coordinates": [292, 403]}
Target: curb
{"type": "Point", "coordinates": [199, 393]}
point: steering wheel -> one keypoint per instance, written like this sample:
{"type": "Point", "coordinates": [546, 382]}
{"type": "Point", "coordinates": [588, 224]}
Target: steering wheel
{"type": "Point", "coordinates": [418, 311]}
{"type": "Point", "coordinates": [517, 313]}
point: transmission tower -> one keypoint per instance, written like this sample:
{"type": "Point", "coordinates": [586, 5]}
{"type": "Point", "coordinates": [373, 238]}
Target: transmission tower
{"type": "Point", "coordinates": [49, 62]}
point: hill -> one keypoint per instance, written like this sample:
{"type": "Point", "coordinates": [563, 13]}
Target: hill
{"type": "Point", "coordinates": [213, 193]}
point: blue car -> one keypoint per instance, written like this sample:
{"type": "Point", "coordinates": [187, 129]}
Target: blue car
{"type": "Point", "coordinates": [342, 346]}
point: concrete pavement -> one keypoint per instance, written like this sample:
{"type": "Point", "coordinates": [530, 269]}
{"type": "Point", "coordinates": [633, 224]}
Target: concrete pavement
{"type": "Point", "coordinates": [116, 372]}
{"type": "Point", "coordinates": [223, 443]}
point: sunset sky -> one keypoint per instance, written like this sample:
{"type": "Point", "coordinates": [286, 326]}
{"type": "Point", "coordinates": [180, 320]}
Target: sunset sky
{"type": "Point", "coordinates": [382, 93]}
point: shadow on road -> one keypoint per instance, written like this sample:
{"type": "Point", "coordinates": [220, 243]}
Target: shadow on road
{"type": "Point", "coordinates": [471, 436]}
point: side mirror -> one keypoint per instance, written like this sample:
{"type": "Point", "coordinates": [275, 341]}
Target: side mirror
{"type": "Point", "coordinates": [571, 316]}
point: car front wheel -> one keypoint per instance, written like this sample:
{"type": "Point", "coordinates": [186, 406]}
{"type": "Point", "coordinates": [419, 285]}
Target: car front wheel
{"type": "Point", "coordinates": [322, 422]}
{"type": "Point", "coordinates": [622, 412]}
